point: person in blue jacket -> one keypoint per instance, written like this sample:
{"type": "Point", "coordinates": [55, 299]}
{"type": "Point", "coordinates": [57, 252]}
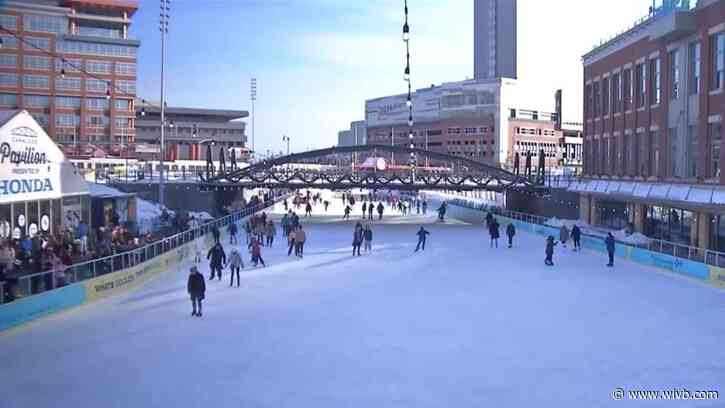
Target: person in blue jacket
{"type": "Point", "coordinates": [422, 236]}
{"type": "Point", "coordinates": [609, 241]}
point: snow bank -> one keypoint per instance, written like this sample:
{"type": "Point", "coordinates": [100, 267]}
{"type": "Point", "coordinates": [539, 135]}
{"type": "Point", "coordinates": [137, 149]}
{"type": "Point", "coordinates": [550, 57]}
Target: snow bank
{"type": "Point", "coordinates": [633, 239]}
{"type": "Point", "coordinates": [559, 222]}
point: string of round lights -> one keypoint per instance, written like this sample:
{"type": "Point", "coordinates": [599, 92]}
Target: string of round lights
{"type": "Point", "coordinates": [406, 78]}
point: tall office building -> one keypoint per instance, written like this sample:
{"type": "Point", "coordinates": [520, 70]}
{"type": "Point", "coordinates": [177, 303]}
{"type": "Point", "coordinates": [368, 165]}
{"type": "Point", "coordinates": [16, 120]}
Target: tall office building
{"type": "Point", "coordinates": [494, 39]}
{"type": "Point", "coordinates": [42, 72]}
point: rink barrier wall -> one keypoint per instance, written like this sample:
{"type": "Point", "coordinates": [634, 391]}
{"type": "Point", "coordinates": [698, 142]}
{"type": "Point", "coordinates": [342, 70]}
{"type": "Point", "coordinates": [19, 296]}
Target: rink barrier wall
{"type": "Point", "coordinates": [698, 270]}
{"type": "Point", "coordinates": [43, 304]}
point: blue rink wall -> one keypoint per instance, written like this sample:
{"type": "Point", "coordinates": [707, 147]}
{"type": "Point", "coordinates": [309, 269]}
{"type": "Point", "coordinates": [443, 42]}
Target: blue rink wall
{"type": "Point", "coordinates": [698, 270]}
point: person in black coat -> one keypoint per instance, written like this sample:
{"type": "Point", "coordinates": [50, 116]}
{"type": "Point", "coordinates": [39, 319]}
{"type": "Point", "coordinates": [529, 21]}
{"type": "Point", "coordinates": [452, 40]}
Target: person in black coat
{"type": "Point", "coordinates": [217, 259]}
{"type": "Point", "coordinates": [550, 244]}
{"type": "Point", "coordinates": [510, 232]}
{"type": "Point", "coordinates": [380, 211]}
{"type": "Point", "coordinates": [357, 239]}
{"type": "Point", "coordinates": [196, 288]}
{"type": "Point", "coordinates": [422, 236]}
{"type": "Point", "coordinates": [609, 241]}
{"type": "Point", "coordinates": [493, 230]}
{"type": "Point", "coordinates": [576, 236]}
{"type": "Point", "coordinates": [215, 232]}
{"type": "Point", "coordinates": [489, 217]}
{"type": "Point", "coordinates": [233, 233]}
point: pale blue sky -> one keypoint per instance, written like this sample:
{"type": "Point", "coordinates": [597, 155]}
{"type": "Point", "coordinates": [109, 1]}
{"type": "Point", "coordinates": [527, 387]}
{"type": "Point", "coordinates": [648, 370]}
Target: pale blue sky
{"type": "Point", "coordinates": [316, 61]}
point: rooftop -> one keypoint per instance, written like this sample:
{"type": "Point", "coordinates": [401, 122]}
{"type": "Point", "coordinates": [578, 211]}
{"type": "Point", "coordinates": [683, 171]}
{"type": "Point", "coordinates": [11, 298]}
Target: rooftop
{"type": "Point", "coordinates": [172, 110]}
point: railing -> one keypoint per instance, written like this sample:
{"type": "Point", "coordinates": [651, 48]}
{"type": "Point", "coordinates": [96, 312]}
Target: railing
{"type": "Point", "coordinates": [674, 249]}
{"type": "Point", "coordinates": [32, 284]}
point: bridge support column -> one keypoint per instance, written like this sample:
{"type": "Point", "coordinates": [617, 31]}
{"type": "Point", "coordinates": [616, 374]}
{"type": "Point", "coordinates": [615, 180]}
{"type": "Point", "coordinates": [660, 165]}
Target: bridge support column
{"type": "Point", "coordinates": [639, 214]}
{"type": "Point", "coordinates": [702, 230]}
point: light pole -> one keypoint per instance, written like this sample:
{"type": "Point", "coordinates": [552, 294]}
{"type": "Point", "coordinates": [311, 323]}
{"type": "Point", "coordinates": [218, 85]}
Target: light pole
{"type": "Point", "coordinates": [253, 97]}
{"type": "Point", "coordinates": [164, 28]}
{"type": "Point", "coordinates": [285, 138]}
{"type": "Point", "coordinates": [409, 102]}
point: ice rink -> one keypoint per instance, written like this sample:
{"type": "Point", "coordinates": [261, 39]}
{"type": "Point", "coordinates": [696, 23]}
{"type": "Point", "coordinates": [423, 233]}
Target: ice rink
{"type": "Point", "coordinates": [459, 325]}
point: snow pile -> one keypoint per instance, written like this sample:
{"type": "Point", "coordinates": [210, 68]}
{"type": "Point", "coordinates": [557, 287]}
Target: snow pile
{"type": "Point", "coordinates": [633, 239]}
{"type": "Point", "coordinates": [559, 222]}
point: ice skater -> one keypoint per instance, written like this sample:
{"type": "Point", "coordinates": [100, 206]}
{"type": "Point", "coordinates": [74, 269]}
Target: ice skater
{"type": "Point", "coordinates": [364, 209]}
{"type": "Point", "coordinates": [422, 237]}
{"type": "Point", "coordinates": [368, 238]}
{"type": "Point", "coordinates": [347, 213]}
{"type": "Point", "coordinates": [232, 233]}
{"type": "Point", "coordinates": [425, 207]}
{"type": "Point", "coordinates": [381, 208]}
{"type": "Point", "coordinates": [291, 241]}
{"type": "Point", "coordinates": [609, 242]}
{"type": "Point", "coordinates": [550, 244]}
{"type": "Point", "coordinates": [235, 264]}
{"type": "Point", "coordinates": [196, 288]}
{"type": "Point", "coordinates": [300, 238]}
{"type": "Point", "coordinates": [442, 211]}
{"type": "Point", "coordinates": [308, 210]}
{"type": "Point", "coordinates": [198, 243]}
{"type": "Point", "coordinates": [576, 236]}
{"type": "Point", "coordinates": [326, 204]}
{"type": "Point", "coordinates": [563, 235]}
{"type": "Point", "coordinates": [493, 230]}
{"type": "Point", "coordinates": [510, 232]}
{"type": "Point", "coordinates": [270, 231]}
{"type": "Point", "coordinates": [357, 239]}
{"type": "Point", "coordinates": [256, 252]}
{"type": "Point", "coordinates": [217, 259]}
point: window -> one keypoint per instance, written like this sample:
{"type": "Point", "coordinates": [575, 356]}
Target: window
{"type": "Point", "coordinates": [78, 47]}
{"type": "Point", "coordinates": [641, 85]}
{"type": "Point", "coordinates": [125, 68]}
{"type": "Point", "coordinates": [597, 99]}
{"type": "Point", "coordinates": [624, 154]}
{"type": "Point", "coordinates": [616, 93]}
{"type": "Point", "coordinates": [96, 85]}
{"type": "Point", "coordinates": [97, 121]}
{"type": "Point", "coordinates": [589, 103]}
{"type": "Point", "coordinates": [45, 24]}
{"type": "Point", "coordinates": [674, 74]}
{"type": "Point", "coordinates": [123, 105]}
{"type": "Point", "coordinates": [123, 123]}
{"type": "Point", "coordinates": [717, 44]}
{"type": "Point", "coordinates": [35, 43]}
{"type": "Point", "coordinates": [36, 101]}
{"type": "Point", "coordinates": [8, 21]}
{"type": "Point", "coordinates": [627, 89]}
{"type": "Point", "coordinates": [10, 80]}
{"type": "Point", "coordinates": [36, 62]}
{"type": "Point", "coordinates": [454, 130]}
{"type": "Point", "coordinates": [97, 103]}
{"type": "Point", "coordinates": [66, 119]}
{"type": "Point", "coordinates": [692, 151]}
{"type": "Point", "coordinates": [71, 65]}
{"type": "Point", "coordinates": [8, 100]}
{"type": "Point", "coordinates": [99, 32]}
{"type": "Point", "coordinates": [41, 118]}
{"type": "Point", "coordinates": [654, 153]}
{"type": "Point", "coordinates": [695, 66]}
{"type": "Point", "coordinates": [129, 87]}
{"type": "Point", "coordinates": [99, 67]}
{"type": "Point", "coordinates": [605, 96]}
{"type": "Point", "coordinates": [641, 154]}
{"type": "Point", "coordinates": [9, 42]}
{"type": "Point", "coordinates": [8, 60]}
{"type": "Point", "coordinates": [36, 81]}
{"type": "Point", "coordinates": [68, 83]}
{"type": "Point", "coordinates": [673, 138]}
{"type": "Point", "coordinates": [656, 75]}
{"type": "Point", "coordinates": [68, 102]}
{"type": "Point", "coordinates": [715, 142]}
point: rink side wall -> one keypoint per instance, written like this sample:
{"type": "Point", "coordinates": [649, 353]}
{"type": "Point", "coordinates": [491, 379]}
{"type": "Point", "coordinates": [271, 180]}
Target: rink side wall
{"type": "Point", "coordinates": [697, 270]}
{"type": "Point", "coordinates": [34, 307]}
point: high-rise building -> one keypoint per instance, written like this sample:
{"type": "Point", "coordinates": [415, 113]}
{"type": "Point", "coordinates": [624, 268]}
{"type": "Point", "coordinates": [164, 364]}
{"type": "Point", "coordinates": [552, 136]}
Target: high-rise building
{"type": "Point", "coordinates": [494, 39]}
{"type": "Point", "coordinates": [72, 65]}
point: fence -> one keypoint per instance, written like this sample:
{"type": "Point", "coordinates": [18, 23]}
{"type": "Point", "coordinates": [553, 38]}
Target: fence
{"type": "Point", "coordinates": [674, 249]}
{"type": "Point", "coordinates": [29, 285]}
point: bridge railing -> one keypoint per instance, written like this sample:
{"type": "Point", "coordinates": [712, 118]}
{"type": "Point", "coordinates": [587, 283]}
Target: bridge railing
{"type": "Point", "coordinates": [677, 250]}
{"type": "Point", "coordinates": [28, 285]}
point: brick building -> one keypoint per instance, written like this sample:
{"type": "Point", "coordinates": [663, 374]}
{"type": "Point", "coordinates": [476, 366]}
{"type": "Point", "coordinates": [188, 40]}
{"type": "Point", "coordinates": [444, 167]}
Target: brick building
{"type": "Point", "coordinates": [45, 47]}
{"type": "Point", "coordinates": [653, 112]}
{"type": "Point", "coordinates": [530, 132]}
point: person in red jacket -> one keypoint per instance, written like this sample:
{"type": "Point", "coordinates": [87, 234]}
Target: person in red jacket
{"type": "Point", "coordinates": [196, 288]}
{"type": "Point", "coordinates": [256, 252]}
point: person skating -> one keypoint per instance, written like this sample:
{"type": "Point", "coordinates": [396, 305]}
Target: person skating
{"type": "Point", "coordinates": [576, 236]}
{"type": "Point", "coordinates": [563, 235]}
{"type": "Point", "coordinates": [493, 230]}
{"type": "Point", "coordinates": [422, 237]}
{"type": "Point", "coordinates": [291, 241]}
{"type": "Point", "coordinates": [347, 213]}
{"type": "Point", "coordinates": [425, 207]}
{"type": "Point", "coordinates": [510, 232]}
{"type": "Point", "coordinates": [368, 238]}
{"type": "Point", "coordinates": [286, 205]}
{"type": "Point", "coordinates": [550, 244]}
{"type": "Point", "coordinates": [609, 241]}
{"type": "Point", "coordinates": [270, 232]}
{"type": "Point", "coordinates": [442, 211]}
{"type": "Point", "coordinates": [326, 204]}
{"type": "Point", "coordinates": [300, 238]}
{"type": "Point", "coordinates": [248, 231]}
{"type": "Point", "coordinates": [489, 218]}
{"type": "Point", "coordinates": [308, 210]}
{"type": "Point", "coordinates": [215, 233]}
{"type": "Point", "coordinates": [357, 239]}
{"type": "Point", "coordinates": [364, 209]}
{"type": "Point", "coordinates": [381, 208]}
{"type": "Point", "coordinates": [217, 259]}
{"type": "Point", "coordinates": [235, 264]}
{"type": "Point", "coordinates": [256, 251]}
{"type": "Point", "coordinates": [232, 233]}
{"type": "Point", "coordinates": [417, 207]}
{"type": "Point", "coordinates": [198, 250]}
{"type": "Point", "coordinates": [196, 288]}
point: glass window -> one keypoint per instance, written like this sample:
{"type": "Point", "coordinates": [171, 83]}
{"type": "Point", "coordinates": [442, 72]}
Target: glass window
{"type": "Point", "coordinates": [71, 65]}
{"type": "Point", "coordinates": [35, 43]}
{"type": "Point", "coordinates": [36, 101]}
{"type": "Point", "coordinates": [78, 47]}
{"type": "Point", "coordinates": [674, 74]}
{"type": "Point", "coordinates": [97, 121]}
{"type": "Point", "coordinates": [68, 102]}
{"type": "Point", "coordinates": [128, 87]}
{"type": "Point", "coordinates": [695, 66]}
{"type": "Point", "coordinates": [9, 42]}
{"type": "Point", "coordinates": [692, 151]}
{"type": "Point", "coordinates": [8, 100]}
{"type": "Point", "coordinates": [717, 42]}
{"type": "Point", "coordinates": [641, 154]}
{"type": "Point", "coordinates": [100, 32]}
{"type": "Point", "coordinates": [613, 214]}
{"type": "Point", "coordinates": [45, 24]}
{"type": "Point", "coordinates": [97, 103]}
{"type": "Point", "coordinates": [68, 83]}
{"type": "Point", "coordinates": [674, 151]}
{"type": "Point", "coordinates": [641, 88]}
{"type": "Point", "coordinates": [597, 99]}
{"type": "Point", "coordinates": [67, 119]}
{"type": "Point", "coordinates": [36, 62]}
{"type": "Point", "coordinates": [655, 72]}
{"type": "Point", "coordinates": [41, 118]}
{"type": "Point", "coordinates": [126, 68]}
{"type": "Point", "coordinates": [123, 105]}
{"type": "Point", "coordinates": [8, 60]}
{"type": "Point", "coordinates": [9, 80]}
{"type": "Point", "coordinates": [99, 67]}
{"type": "Point", "coordinates": [123, 123]}
{"type": "Point", "coordinates": [715, 143]}
{"type": "Point", "coordinates": [627, 89]}
{"type": "Point", "coordinates": [616, 93]}
{"type": "Point", "coordinates": [654, 153]}
{"type": "Point", "coordinates": [18, 211]}
{"type": "Point", "coordinates": [9, 21]}
{"type": "Point", "coordinates": [589, 103]}
{"type": "Point", "coordinates": [96, 85]}
{"type": "Point", "coordinates": [36, 81]}
{"type": "Point", "coordinates": [605, 96]}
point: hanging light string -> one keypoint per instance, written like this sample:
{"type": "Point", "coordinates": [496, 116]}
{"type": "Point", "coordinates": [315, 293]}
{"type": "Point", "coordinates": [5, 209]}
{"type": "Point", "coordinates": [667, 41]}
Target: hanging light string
{"type": "Point", "coordinates": [406, 78]}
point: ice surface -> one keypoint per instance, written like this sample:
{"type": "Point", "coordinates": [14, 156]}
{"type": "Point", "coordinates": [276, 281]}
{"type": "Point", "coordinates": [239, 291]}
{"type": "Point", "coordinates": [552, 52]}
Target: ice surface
{"type": "Point", "coordinates": [459, 325]}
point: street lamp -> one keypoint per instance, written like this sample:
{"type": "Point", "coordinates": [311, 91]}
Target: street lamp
{"type": "Point", "coordinates": [165, 6]}
{"type": "Point", "coordinates": [286, 139]}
